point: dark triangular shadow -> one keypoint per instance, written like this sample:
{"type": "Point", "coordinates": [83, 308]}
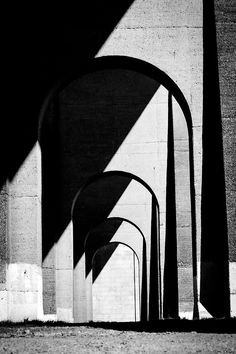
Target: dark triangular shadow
{"type": "Point", "coordinates": [49, 47]}
{"type": "Point", "coordinates": [154, 291]}
{"type": "Point", "coordinates": [170, 296]}
{"type": "Point", "coordinates": [214, 286]}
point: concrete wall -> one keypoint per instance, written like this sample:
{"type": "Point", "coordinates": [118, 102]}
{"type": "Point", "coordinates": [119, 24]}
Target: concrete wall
{"type": "Point", "coordinates": [23, 268]}
{"type": "Point", "coordinates": [131, 136]}
{"type": "Point", "coordinates": [226, 46]}
{"type": "Point", "coordinates": [116, 291]}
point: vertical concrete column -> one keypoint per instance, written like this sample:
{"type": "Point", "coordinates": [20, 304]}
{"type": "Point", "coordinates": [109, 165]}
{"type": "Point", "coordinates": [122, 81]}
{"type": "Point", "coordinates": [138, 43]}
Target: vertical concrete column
{"type": "Point", "coordinates": [183, 216]}
{"type": "Point", "coordinates": [64, 275]}
{"type": "Point", "coordinates": [3, 252]}
{"type": "Point", "coordinates": [79, 292]}
{"type": "Point", "coordinates": [89, 295]}
{"type": "Point", "coordinates": [137, 287]}
{"type": "Point", "coordinates": [24, 272]}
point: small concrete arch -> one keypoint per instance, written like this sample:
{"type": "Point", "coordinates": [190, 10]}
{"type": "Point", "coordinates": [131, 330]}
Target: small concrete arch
{"type": "Point", "coordinates": [83, 229]}
{"type": "Point", "coordinates": [99, 230]}
{"type": "Point", "coordinates": [132, 236]}
{"type": "Point", "coordinates": [122, 303]}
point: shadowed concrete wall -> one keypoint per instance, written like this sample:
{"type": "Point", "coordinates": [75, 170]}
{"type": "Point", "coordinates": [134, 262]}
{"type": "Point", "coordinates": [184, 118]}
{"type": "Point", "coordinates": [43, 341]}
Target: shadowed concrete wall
{"type": "Point", "coordinates": [226, 47]}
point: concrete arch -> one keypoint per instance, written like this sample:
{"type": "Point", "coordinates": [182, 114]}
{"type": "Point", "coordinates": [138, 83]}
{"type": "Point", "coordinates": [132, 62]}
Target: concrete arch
{"type": "Point", "coordinates": [98, 232]}
{"type": "Point", "coordinates": [108, 174]}
{"type": "Point", "coordinates": [139, 248]}
{"type": "Point", "coordinates": [130, 299]}
{"type": "Point", "coordinates": [121, 62]}
{"type": "Point", "coordinates": [142, 258]}
{"type": "Point", "coordinates": [133, 64]}
{"type": "Point", "coordinates": [154, 247]}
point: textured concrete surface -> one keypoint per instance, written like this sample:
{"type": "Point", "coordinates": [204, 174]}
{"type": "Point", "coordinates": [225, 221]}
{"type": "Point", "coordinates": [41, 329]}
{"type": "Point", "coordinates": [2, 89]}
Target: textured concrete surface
{"type": "Point", "coordinates": [23, 272]}
{"type": "Point", "coordinates": [116, 291]}
{"type": "Point", "coordinates": [169, 36]}
{"type": "Point", "coordinates": [226, 45]}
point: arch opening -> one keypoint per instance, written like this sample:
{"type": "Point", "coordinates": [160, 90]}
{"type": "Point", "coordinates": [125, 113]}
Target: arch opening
{"type": "Point", "coordinates": [116, 290]}
{"type": "Point", "coordinates": [69, 158]}
{"type": "Point", "coordinates": [87, 223]}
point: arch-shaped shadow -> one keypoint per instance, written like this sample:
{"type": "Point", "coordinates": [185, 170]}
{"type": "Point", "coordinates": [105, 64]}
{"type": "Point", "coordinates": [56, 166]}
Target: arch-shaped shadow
{"type": "Point", "coordinates": [97, 263]}
{"type": "Point", "coordinates": [103, 234]}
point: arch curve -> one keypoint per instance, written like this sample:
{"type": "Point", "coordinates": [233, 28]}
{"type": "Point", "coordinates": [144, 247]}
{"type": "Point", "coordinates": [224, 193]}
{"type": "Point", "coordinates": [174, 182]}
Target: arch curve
{"type": "Point", "coordinates": [121, 62]}
{"type": "Point", "coordinates": [114, 173]}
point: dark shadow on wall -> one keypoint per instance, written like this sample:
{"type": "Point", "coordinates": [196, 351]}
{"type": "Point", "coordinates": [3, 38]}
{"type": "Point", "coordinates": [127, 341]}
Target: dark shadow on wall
{"type": "Point", "coordinates": [43, 47]}
{"type": "Point", "coordinates": [170, 296]}
{"type": "Point", "coordinates": [214, 286]}
{"type": "Point", "coordinates": [92, 208]}
{"type": "Point", "coordinates": [102, 258]}
{"type": "Point", "coordinates": [155, 307]}
{"type": "Point", "coordinates": [97, 238]}
{"type": "Point", "coordinates": [84, 126]}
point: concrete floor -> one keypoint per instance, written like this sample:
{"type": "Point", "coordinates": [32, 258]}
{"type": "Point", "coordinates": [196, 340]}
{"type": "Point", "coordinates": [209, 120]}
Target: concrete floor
{"type": "Point", "coordinates": [192, 337]}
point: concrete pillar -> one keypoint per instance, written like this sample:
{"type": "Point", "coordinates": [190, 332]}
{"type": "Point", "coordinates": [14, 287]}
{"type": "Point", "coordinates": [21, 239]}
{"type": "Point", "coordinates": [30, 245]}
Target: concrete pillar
{"type": "Point", "coordinates": [3, 252]}
{"type": "Point", "coordinates": [64, 275]}
{"type": "Point", "coordinates": [24, 275]}
{"type": "Point", "coordinates": [183, 215]}
{"type": "Point", "coordinates": [89, 296]}
{"type": "Point", "coordinates": [79, 292]}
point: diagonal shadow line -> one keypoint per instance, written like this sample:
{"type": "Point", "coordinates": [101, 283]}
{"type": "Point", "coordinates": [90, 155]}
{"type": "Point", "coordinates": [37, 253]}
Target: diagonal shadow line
{"type": "Point", "coordinates": [51, 166]}
{"type": "Point", "coordinates": [97, 238]}
{"type": "Point", "coordinates": [46, 54]}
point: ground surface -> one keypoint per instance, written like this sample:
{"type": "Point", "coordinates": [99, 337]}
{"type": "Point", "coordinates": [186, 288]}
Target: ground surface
{"type": "Point", "coordinates": [85, 339]}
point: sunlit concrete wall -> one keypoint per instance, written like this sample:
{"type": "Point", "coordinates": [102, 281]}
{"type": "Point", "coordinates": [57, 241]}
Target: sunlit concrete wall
{"type": "Point", "coordinates": [169, 35]}
{"type": "Point", "coordinates": [116, 291]}
{"type": "Point", "coordinates": [23, 272]}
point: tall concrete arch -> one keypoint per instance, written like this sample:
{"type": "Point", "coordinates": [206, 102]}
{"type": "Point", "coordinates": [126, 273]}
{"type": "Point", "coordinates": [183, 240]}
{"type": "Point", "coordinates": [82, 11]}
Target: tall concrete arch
{"type": "Point", "coordinates": [52, 110]}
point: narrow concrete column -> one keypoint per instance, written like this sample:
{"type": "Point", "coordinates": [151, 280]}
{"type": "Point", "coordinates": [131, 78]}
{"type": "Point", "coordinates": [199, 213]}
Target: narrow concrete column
{"type": "Point", "coordinates": [64, 275]}
{"type": "Point", "coordinates": [24, 272]}
{"type": "Point", "coordinates": [89, 295]}
{"type": "Point", "coordinates": [3, 251]}
{"type": "Point", "coordinates": [183, 215]}
{"type": "Point", "coordinates": [137, 288]}
{"type": "Point", "coordinates": [79, 291]}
